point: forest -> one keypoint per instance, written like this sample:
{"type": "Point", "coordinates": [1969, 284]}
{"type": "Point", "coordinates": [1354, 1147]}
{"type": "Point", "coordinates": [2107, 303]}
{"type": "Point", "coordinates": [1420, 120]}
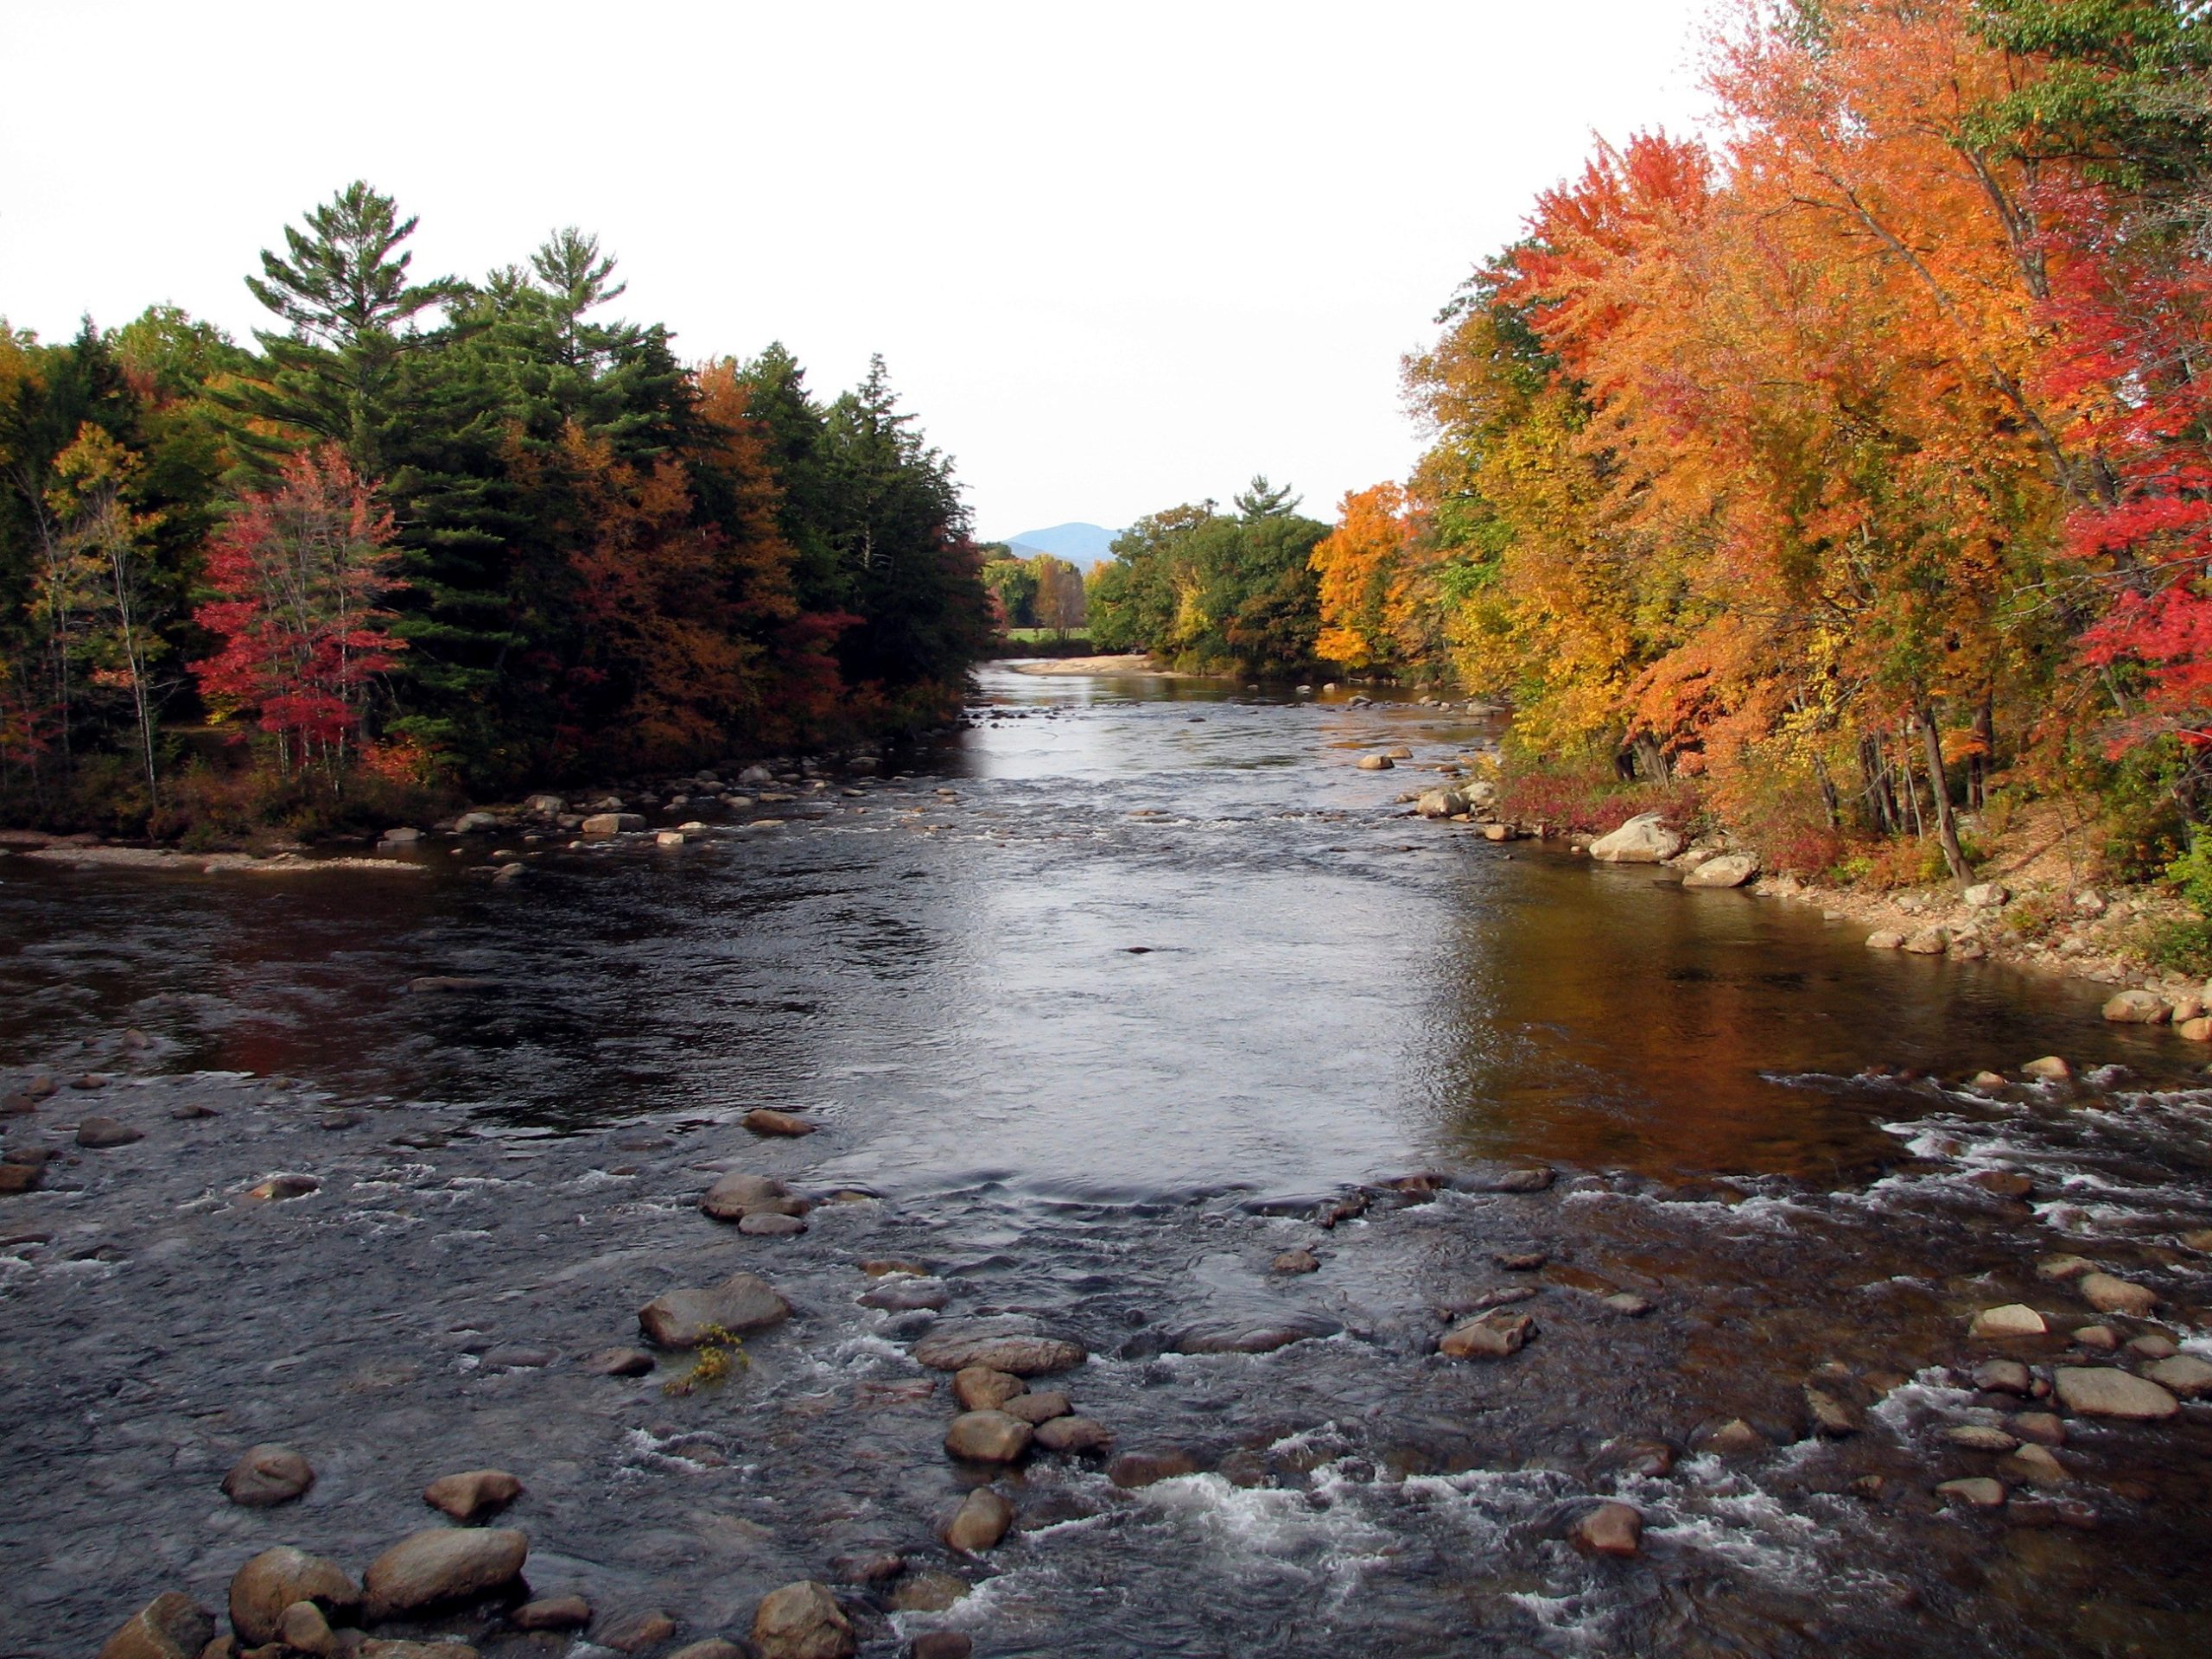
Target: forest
{"type": "Point", "coordinates": [1843, 464]}
{"type": "Point", "coordinates": [429, 535]}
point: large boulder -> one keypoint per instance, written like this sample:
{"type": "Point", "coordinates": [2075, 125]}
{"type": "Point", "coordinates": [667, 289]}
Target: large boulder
{"type": "Point", "coordinates": [443, 1564]}
{"type": "Point", "coordinates": [741, 1303]}
{"type": "Point", "coordinates": [1729, 870]}
{"type": "Point", "coordinates": [1016, 1353]}
{"type": "Point", "coordinates": [171, 1626]}
{"type": "Point", "coordinates": [273, 1580]}
{"type": "Point", "coordinates": [1644, 839]}
{"type": "Point", "coordinates": [803, 1621]}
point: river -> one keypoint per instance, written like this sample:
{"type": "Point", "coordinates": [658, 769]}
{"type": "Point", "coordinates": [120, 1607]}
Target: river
{"type": "Point", "coordinates": [1097, 1007]}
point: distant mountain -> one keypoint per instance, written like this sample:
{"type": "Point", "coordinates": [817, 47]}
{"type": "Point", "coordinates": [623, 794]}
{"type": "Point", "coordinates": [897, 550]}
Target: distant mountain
{"type": "Point", "coordinates": [1082, 544]}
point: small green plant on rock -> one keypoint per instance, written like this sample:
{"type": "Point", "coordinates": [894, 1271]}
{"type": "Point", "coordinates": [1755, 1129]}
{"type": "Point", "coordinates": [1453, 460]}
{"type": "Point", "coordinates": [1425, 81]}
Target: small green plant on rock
{"type": "Point", "coordinates": [711, 1364]}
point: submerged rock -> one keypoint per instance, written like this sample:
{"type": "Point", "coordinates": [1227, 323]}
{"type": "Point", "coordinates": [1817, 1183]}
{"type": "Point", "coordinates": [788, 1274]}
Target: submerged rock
{"type": "Point", "coordinates": [764, 1119]}
{"type": "Point", "coordinates": [1977, 1491]}
{"type": "Point", "coordinates": [98, 1133]}
{"type": "Point", "coordinates": [1258, 1333]}
{"type": "Point", "coordinates": [268, 1475]}
{"type": "Point", "coordinates": [1614, 1529]}
{"type": "Point", "coordinates": [1134, 1469]}
{"type": "Point", "coordinates": [1296, 1261]}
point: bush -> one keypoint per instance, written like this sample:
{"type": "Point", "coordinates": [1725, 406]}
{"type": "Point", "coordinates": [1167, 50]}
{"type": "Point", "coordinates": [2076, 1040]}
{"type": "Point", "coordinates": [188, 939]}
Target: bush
{"type": "Point", "coordinates": [1591, 798]}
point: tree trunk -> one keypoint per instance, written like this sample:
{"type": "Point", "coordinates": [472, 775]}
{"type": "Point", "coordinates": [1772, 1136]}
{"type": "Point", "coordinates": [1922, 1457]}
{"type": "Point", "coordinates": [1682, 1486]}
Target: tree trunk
{"type": "Point", "coordinates": [1939, 786]}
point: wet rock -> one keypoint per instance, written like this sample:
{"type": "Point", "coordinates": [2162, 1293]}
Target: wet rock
{"type": "Point", "coordinates": [1633, 1454]}
{"type": "Point", "coordinates": [2003, 1376]}
{"type": "Point", "coordinates": [1075, 1437]}
{"type": "Point", "coordinates": [1644, 839]}
{"type": "Point", "coordinates": [619, 1361]}
{"type": "Point", "coordinates": [713, 1648]}
{"type": "Point", "coordinates": [2042, 1427]}
{"type": "Point", "coordinates": [978, 1388]}
{"type": "Point", "coordinates": [928, 1593]}
{"type": "Point", "coordinates": [999, 1349]}
{"type": "Point", "coordinates": [1629, 1304]}
{"type": "Point", "coordinates": [2061, 1266]}
{"type": "Point", "coordinates": [2195, 1030]}
{"type": "Point", "coordinates": [18, 1179]}
{"type": "Point", "coordinates": [980, 1523]}
{"type": "Point", "coordinates": [602, 826]}
{"type": "Point", "coordinates": [1927, 942]}
{"type": "Point", "coordinates": [1978, 1437]}
{"type": "Point", "coordinates": [552, 1613]}
{"type": "Point", "coordinates": [2101, 1338]}
{"type": "Point", "coordinates": [473, 1494]}
{"type": "Point", "coordinates": [2013, 1319]}
{"type": "Point", "coordinates": [1884, 938]}
{"type": "Point", "coordinates": [1522, 1260]}
{"type": "Point", "coordinates": [1614, 1530]}
{"type": "Point", "coordinates": [390, 1650]}
{"type": "Point", "coordinates": [2034, 1466]}
{"type": "Point", "coordinates": [2110, 1296]}
{"type": "Point", "coordinates": [987, 1437]}
{"type": "Point", "coordinates": [304, 1630]}
{"type": "Point", "coordinates": [1729, 870]}
{"type": "Point", "coordinates": [98, 1133]}
{"type": "Point", "coordinates": [2051, 1512]}
{"type": "Point", "coordinates": [2137, 1008]}
{"type": "Point", "coordinates": [268, 1475]}
{"type": "Point", "coordinates": [636, 1633]}
{"type": "Point", "coordinates": [276, 1189]}
{"type": "Point", "coordinates": [740, 1194]}
{"type": "Point", "coordinates": [1494, 1336]}
{"type": "Point", "coordinates": [802, 1621]}
{"type": "Point", "coordinates": [443, 1564]}
{"type": "Point", "coordinates": [2102, 1391]}
{"type": "Point", "coordinates": [1977, 1491]}
{"type": "Point", "coordinates": [1296, 1261]}
{"type": "Point", "coordinates": [764, 1119]}
{"type": "Point", "coordinates": [1036, 1408]}
{"type": "Point", "coordinates": [171, 1626]}
{"type": "Point", "coordinates": [518, 1356]}
{"type": "Point", "coordinates": [1132, 1469]}
{"type": "Point", "coordinates": [2049, 1069]}
{"type": "Point", "coordinates": [883, 1267]}
{"type": "Point", "coordinates": [1534, 1179]}
{"type": "Point", "coordinates": [2151, 1346]}
{"type": "Point", "coordinates": [942, 1644]}
{"type": "Point", "coordinates": [1833, 1418]}
{"type": "Point", "coordinates": [741, 1303]}
{"type": "Point", "coordinates": [1375, 763]}
{"type": "Point", "coordinates": [766, 1224]}
{"type": "Point", "coordinates": [1734, 1439]}
{"type": "Point", "coordinates": [1443, 802]}
{"type": "Point", "coordinates": [868, 1569]}
{"type": "Point", "coordinates": [273, 1580]}
{"type": "Point", "coordinates": [2184, 1374]}
{"type": "Point", "coordinates": [2005, 1183]}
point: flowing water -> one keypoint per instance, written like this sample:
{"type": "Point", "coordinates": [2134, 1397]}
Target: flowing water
{"type": "Point", "coordinates": [1100, 1006]}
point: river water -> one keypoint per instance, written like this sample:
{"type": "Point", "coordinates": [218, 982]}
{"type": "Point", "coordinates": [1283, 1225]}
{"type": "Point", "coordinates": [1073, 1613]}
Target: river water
{"type": "Point", "coordinates": [1098, 1007]}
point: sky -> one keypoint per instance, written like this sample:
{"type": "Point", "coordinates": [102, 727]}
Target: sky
{"type": "Point", "coordinates": [1117, 257]}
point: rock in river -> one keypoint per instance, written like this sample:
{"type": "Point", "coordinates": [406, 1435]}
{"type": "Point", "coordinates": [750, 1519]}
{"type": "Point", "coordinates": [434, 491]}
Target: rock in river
{"type": "Point", "coordinates": [980, 1523]}
{"type": "Point", "coordinates": [98, 1133]}
{"type": "Point", "coordinates": [2137, 1008]}
{"type": "Point", "coordinates": [268, 1475]}
{"type": "Point", "coordinates": [741, 1194]}
{"type": "Point", "coordinates": [764, 1119]}
{"type": "Point", "coordinates": [802, 1621]}
{"type": "Point", "coordinates": [1494, 1336]}
{"type": "Point", "coordinates": [1610, 1529]}
{"type": "Point", "coordinates": [1729, 870]}
{"type": "Point", "coordinates": [569, 1613]}
{"type": "Point", "coordinates": [978, 1388]}
{"type": "Point", "coordinates": [742, 1302]}
{"type": "Point", "coordinates": [273, 1580]}
{"type": "Point", "coordinates": [1297, 1261]}
{"type": "Point", "coordinates": [1075, 1437]}
{"type": "Point", "coordinates": [1016, 1353]}
{"type": "Point", "coordinates": [1644, 839]}
{"type": "Point", "coordinates": [1040, 1407]}
{"type": "Point", "coordinates": [1257, 1333]}
{"type": "Point", "coordinates": [2184, 1374]}
{"type": "Point", "coordinates": [171, 1626]}
{"type": "Point", "coordinates": [2012, 1319]}
{"type": "Point", "coordinates": [2110, 1296]}
{"type": "Point", "coordinates": [2102, 1391]}
{"type": "Point", "coordinates": [443, 1564]}
{"type": "Point", "coordinates": [987, 1437]}
{"type": "Point", "coordinates": [473, 1494]}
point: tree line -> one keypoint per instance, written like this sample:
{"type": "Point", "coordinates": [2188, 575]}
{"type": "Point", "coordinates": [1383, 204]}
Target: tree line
{"type": "Point", "coordinates": [1842, 459]}
{"type": "Point", "coordinates": [439, 532]}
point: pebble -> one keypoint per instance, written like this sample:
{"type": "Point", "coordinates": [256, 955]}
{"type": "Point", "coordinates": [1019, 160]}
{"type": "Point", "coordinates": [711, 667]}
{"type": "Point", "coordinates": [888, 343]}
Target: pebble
{"type": "Point", "coordinates": [2108, 1294]}
{"type": "Point", "coordinates": [741, 1303]}
{"type": "Point", "coordinates": [1523, 1260]}
{"type": "Point", "coordinates": [1977, 1491]}
{"type": "Point", "coordinates": [171, 1626]}
{"type": "Point", "coordinates": [2102, 1391]}
{"type": "Point", "coordinates": [1614, 1530]}
{"type": "Point", "coordinates": [980, 1523]}
{"type": "Point", "coordinates": [987, 1437]}
{"type": "Point", "coordinates": [99, 1134]}
{"type": "Point", "coordinates": [268, 1475]}
{"type": "Point", "coordinates": [518, 1356]}
{"type": "Point", "coordinates": [1494, 1336]}
{"type": "Point", "coordinates": [802, 1621]}
{"type": "Point", "coordinates": [443, 1564]}
{"type": "Point", "coordinates": [553, 1613]}
{"type": "Point", "coordinates": [1075, 1437]}
{"type": "Point", "coordinates": [263, 1588]}
{"type": "Point", "coordinates": [473, 1494]}
{"type": "Point", "coordinates": [2011, 1320]}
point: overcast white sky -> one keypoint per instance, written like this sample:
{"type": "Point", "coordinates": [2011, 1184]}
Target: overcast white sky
{"type": "Point", "coordinates": [1117, 256]}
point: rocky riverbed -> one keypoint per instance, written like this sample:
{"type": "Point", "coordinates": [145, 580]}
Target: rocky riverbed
{"type": "Point", "coordinates": [1144, 1200]}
